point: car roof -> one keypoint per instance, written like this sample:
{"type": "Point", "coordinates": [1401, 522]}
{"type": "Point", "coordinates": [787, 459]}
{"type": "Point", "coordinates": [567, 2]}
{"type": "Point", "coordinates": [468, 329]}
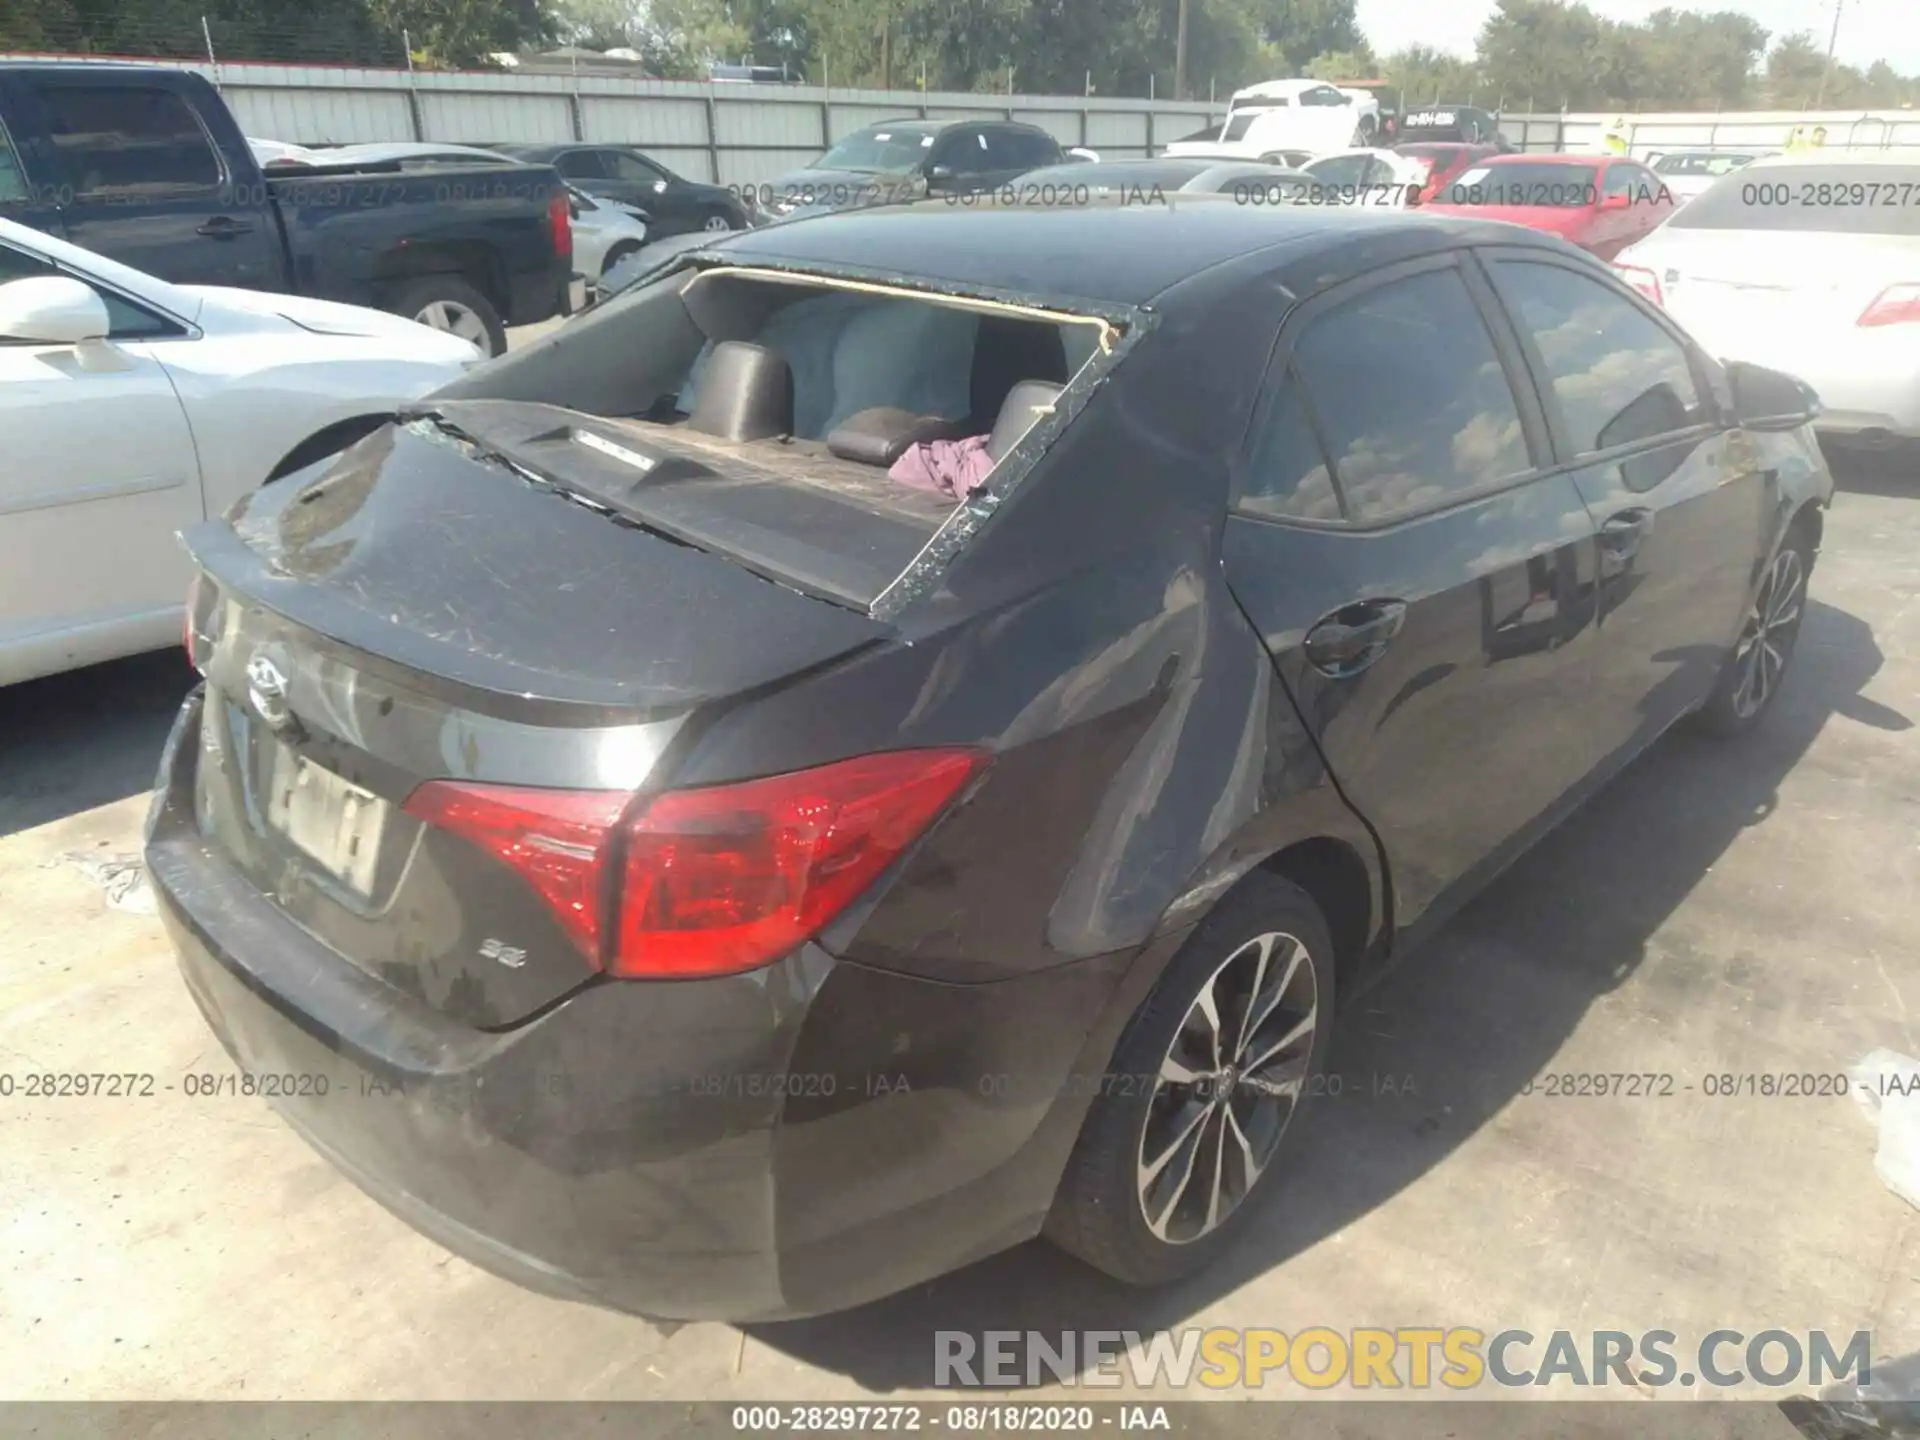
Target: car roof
{"type": "Point", "coordinates": [1125, 255]}
{"type": "Point", "coordinates": [1279, 87]}
{"type": "Point", "coordinates": [1904, 155]}
{"type": "Point", "coordinates": [1558, 158]}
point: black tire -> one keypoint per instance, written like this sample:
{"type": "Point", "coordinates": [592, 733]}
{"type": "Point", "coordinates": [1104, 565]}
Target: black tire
{"type": "Point", "coordinates": [1100, 1212]}
{"type": "Point", "coordinates": [614, 256]}
{"type": "Point", "coordinates": [1757, 666]}
{"type": "Point", "coordinates": [716, 222]}
{"type": "Point", "coordinates": [419, 298]}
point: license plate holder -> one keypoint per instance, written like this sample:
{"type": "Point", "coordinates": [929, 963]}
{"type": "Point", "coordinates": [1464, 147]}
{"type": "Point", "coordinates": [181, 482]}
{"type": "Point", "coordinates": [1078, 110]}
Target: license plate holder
{"type": "Point", "coordinates": [333, 822]}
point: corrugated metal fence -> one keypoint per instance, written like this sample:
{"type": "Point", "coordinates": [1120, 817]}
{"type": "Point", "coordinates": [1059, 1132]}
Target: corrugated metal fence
{"type": "Point", "coordinates": [743, 134]}
{"type": "Point", "coordinates": [727, 133]}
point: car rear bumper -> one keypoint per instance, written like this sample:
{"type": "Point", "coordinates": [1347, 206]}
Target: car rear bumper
{"type": "Point", "coordinates": [796, 1140]}
{"type": "Point", "coordinates": [1865, 380]}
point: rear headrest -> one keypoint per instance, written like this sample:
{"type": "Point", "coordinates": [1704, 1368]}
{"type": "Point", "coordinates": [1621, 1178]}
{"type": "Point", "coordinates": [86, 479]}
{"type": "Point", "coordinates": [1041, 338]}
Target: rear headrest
{"type": "Point", "coordinates": [1025, 404]}
{"type": "Point", "coordinates": [881, 435]}
{"type": "Point", "coordinates": [746, 394]}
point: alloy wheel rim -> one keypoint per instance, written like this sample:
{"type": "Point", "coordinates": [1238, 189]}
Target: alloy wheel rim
{"type": "Point", "coordinates": [1227, 1088]}
{"type": "Point", "coordinates": [716, 223]}
{"type": "Point", "coordinates": [456, 319]}
{"type": "Point", "coordinates": [1766, 640]}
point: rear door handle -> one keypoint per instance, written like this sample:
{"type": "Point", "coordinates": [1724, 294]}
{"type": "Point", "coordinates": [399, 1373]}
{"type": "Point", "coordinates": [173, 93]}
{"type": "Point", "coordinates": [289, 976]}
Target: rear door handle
{"type": "Point", "coordinates": [1621, 534]}
{"type": "Point", "coordinates": [1354, 636]}
{"type": "Point", "coordinates": [223, 227]}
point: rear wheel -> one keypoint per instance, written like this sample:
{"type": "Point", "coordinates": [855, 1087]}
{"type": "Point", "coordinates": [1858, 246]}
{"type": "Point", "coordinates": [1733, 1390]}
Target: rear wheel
{"type": "Point", "coordinates": [446, 302]}
{"type": "Point", "coordinates": [1758, 664]}
{"type": "Point", "coordinates": [1204, 1088]}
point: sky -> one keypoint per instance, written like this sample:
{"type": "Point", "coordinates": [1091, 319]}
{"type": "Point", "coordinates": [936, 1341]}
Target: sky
{"type": "Point", "coordinates": [1869, 29]}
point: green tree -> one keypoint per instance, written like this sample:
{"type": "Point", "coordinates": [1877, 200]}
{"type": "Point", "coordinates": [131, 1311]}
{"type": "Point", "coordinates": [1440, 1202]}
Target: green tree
{"type": "Point", "coordinates": [1423, 75]}
{"type": "Point", "coordinates": [1794, 67]}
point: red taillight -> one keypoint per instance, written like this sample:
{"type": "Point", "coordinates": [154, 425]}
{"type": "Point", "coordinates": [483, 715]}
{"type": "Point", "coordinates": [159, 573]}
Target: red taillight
{"type": "Point", "coordinates": [555, 839]}
{"type": "Point", "coordinates": [1895, 305]}
{"type": "Point", "coordinates": [560, 217]}
{"type": "Point", "coordinates": [716, 880]}
{"type": "Point", "coordinates": [1643, 280]}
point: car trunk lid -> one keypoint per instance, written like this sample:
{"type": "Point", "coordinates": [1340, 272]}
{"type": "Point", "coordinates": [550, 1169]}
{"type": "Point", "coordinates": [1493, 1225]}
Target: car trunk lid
{"type": "Point", "coordinates": [1739, 289]}
{"type": "Point", "coordinates": [421, 611]}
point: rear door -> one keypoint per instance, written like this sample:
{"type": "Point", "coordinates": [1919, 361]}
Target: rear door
{"type": "Point", "coordinates": [1680, 506]}
{"type": "Point", "coordinates": [100, 472]}
{"type": "Point", "coordinates": [1422, 578]}
{"type": "Point", "coordinates": [964, 155]}
{"type": "Point", "coordinates": [140, 180]}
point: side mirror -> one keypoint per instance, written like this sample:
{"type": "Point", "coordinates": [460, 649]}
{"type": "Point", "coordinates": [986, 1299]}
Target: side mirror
{"type": "Point", "coordinates": [1080, 152]}
{"type": "Point", "coordinates": [1764, 399]}
{"type": "Point", "coordinates": [52, 310]}
{"type": "Point", "coordinates": [939, 174]}
{"type": "Point", "coordinates": [1614, 202]}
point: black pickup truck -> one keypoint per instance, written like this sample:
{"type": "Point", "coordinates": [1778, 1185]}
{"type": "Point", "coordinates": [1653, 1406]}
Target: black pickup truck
{"type": "Point", "coordinates": [146, 165]}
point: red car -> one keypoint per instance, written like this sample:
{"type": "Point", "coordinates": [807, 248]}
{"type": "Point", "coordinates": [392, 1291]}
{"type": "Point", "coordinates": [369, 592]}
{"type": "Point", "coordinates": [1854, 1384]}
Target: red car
{"type": "Point", "coordinates": [1445, 160]}
{"type": "Point", "coordinates": [1602, 203]}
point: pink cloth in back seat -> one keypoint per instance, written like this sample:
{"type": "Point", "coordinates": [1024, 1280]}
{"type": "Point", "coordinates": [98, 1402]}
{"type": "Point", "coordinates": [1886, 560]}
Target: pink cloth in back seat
{"type": "Point", "coordinates": [954, 468]}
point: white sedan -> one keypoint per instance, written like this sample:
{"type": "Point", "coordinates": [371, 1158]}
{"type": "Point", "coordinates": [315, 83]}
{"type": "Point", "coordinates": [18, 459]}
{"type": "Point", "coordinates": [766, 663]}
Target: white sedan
{"type": "Point", "coordinates": [1808, 264]}
{"type": "Point", "coordinates": [132, 408]}
{"type": "Point", "coordinates": [1366, 176]}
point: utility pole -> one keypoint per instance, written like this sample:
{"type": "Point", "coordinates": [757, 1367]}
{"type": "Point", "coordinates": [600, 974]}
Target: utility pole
{"type": "Point", "coordinates": [1180, 54]}
{"type": "Point", "coordinates": [1833, 38]}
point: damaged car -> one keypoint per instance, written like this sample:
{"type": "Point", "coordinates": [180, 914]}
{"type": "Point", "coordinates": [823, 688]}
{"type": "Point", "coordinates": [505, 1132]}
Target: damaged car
{"type": "Point", "coordinates": [893, 735]}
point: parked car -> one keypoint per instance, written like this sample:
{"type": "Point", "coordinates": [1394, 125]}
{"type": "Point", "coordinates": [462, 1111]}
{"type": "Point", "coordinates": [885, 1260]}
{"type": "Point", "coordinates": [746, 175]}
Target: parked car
{"type": "Point", "coordinates": [1688, 173]}
{"type": "Point", "coordinates": [619, 274]}
{"type": "Point", "coordinates": [145, 165]}
{"type": "Point", "coordinates": [1600, 203]}
{"type": "Point", "coordinates": [704, 946]}
{"type": "Point", "coordinates": [1450, 124]}
{"type": "Point", "coordinates": [1131, 182]}
{"type": "Point", "coordinates": [1444, 162]}
{"type": "Point", "coordinates": [1219, 154]}
{"type": "Point", "coordinates": [1308, 115]}
{"type": "Point", "coordinates": [903, 160]}
{"type": "Point", "coordinates": [626, 176]}
{"type": "Point", "coordinates": [1369, 177]}
{"type": "Point", "coordinates": [1810, 263]}
{"type": "Point", "coordinates": [132, 408]}
{"type": "Point", "coordinates": [605, 232]}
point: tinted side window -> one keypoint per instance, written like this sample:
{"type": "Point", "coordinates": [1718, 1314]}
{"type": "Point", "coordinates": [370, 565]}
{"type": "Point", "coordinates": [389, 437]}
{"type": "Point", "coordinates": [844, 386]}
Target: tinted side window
{"type": "Point", "coordinates": [1342, 171]}
{"type": "Point", "coordinates": [962, 151]}
{"type": "Point", "coordinates": [1410, 395]}
{"type": "Point", "coordinates": [1634, 181]}
{"type": "Point", "coordinates": [1027, 149]}
{"type": "Point", "coordinates": [631, 167]}
{"type": "Point", "coordinates": [581, 165]}
{"type": "Point", "coordinates": [1617, 375]}
{"type": "Point", "coordinates": [128, 321]}
{"type": "Point", "coordinates": [129, 140]}
{"type": "Point", "coordinates": [13, 181]}
{"type": "Point", "coordinates": [1287, 474]}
